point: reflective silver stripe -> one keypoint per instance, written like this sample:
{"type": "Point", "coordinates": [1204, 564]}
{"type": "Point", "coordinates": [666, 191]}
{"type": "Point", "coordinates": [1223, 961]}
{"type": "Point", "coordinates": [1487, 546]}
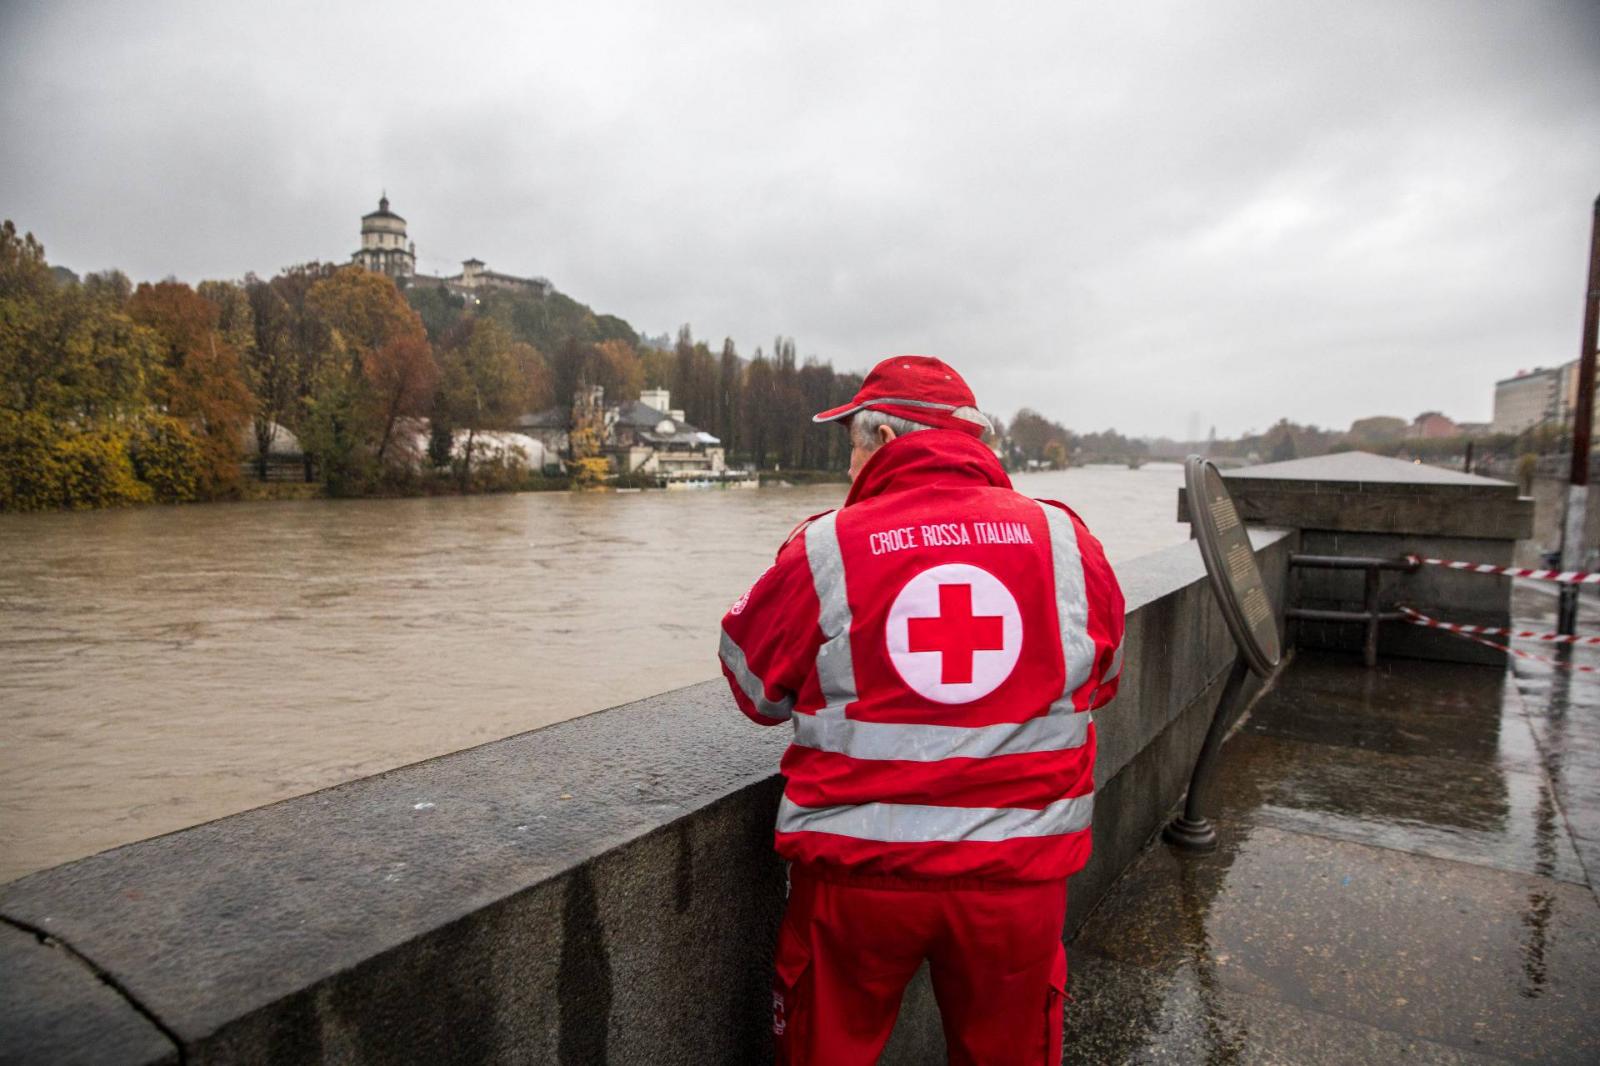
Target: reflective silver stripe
{"type": "Point", "coordinates": [905, 823]}
{"type": "Point", "coordinates": [1072, 605]}
{"type": "Point", "coordinates": [752, 686]}
{"type": "Point", "coordinates": [932, 743]}
{"type": "Point", "coordinates": [835, 670]}
{"type": "Point", "coordinates": [1116, 666]}
{"type": "Point", "coordinates": [914, 403]}
{"type": "Point", "coordinates": [902, 403]}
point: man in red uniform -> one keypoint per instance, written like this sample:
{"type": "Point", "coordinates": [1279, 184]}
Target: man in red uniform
{"type": "Point", "coordinates": [938, 644]}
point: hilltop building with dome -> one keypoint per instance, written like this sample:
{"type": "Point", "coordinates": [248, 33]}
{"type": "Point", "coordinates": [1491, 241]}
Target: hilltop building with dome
{"type": "Point", "coordinates": [386, 249]}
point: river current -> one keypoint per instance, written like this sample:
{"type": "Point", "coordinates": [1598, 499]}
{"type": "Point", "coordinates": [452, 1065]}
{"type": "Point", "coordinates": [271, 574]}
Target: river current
{"type": "Point", "coordinates": [161, 667]}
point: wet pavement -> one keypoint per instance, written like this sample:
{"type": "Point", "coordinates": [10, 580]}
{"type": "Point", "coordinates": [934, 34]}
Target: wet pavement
{"type": "Point", "coordinates": [1407, 872]}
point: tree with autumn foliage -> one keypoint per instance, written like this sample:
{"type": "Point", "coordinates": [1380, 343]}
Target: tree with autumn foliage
{"type": "Point", "coordinates": [402, 376]}
{"type": "Point", "coordinates": [83, 386]}
{"type": "Point", "coordinates": [199, 379]}
{"type": "Point", "coordinates": [379, 369]}
{"type": "Point", "coordinates": [1036, 439]}
{"type": "Point", "coordinates": [487, 380]}
{"type": "Point", "coordinates": [67, 352]}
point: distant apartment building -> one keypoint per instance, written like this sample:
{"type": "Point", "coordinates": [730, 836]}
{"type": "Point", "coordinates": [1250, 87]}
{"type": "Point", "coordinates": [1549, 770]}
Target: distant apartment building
{"type": "Point", "coordinates": [1529, 398]}
{"type": "Point", "coordinates": [1569, 396]}
{"type": "Point", "coordinates": [386, 249]}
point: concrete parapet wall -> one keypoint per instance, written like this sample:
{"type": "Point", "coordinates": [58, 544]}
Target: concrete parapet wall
{"type": "Point", "coordinates": [599, 890]}
{"type": "Point", "coordinates": [1359, 504]}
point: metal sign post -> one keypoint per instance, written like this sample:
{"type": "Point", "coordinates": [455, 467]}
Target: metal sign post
{"type": "Point", "coordinates": [1242, 596]}
{"type": "Point", "coordinates": [1572, 546]}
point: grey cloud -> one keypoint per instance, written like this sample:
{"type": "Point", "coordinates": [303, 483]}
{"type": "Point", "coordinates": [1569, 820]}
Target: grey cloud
{"type": "Point", "coordinates": [1243, 211]}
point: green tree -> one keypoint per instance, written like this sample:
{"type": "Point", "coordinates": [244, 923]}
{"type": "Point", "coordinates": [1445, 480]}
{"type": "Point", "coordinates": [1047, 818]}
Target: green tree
{"type": "Point", "coordinates": [309, 345]}
{"type": "Point", "coordinates": [1280, 442]}
{"type": "Point", "coordinates": [269, 364]}
{"type": "Point", "coordinates": [439, 308]}
{"type": "Point", "coordinates": [485, 384]}
{"type": "Point", "coordinates": [1377, 431]}
{"type": "Point", "coordinates": [756, 409]}
{"type": "Point", "coordinates": [45, 464]}
{"type": "Point", "coordinates": [67, 352]}
{"type": "Point", "coordinates": [378, 369]}
{"type": "Point", "coordinates": [730, 379]}
{"type": "Point", "coordinates": [1032, 433]}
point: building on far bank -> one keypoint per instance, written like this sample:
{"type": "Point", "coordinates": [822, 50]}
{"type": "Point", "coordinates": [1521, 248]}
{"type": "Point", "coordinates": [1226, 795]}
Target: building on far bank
{"type": "Point", "coordinates": [386, 249]}
{"type": "Point", "coordinates": [1529, 398]}
{"type": "Point", "coordinates": [1431, 425]}
{"type": "Point", "coordinates": [647, 436]}
{"type": "Point", "coordinates": [384, 245]}
{"type": "Point", "coordinates": [476, 279]}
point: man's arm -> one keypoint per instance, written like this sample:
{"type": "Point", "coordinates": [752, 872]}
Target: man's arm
{"type": "Point", "coordinates": [770, 637]}
{"type": "Point", "coordinates": [1107, 612]}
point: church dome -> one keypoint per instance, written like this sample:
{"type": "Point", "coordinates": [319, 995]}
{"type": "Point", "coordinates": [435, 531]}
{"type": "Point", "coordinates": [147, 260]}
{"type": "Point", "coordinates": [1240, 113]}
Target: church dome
{"type": "Point", "coordinates": [382, 211]}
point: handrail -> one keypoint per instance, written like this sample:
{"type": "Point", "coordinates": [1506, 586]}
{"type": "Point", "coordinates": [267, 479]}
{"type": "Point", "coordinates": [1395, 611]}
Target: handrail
{"type": "Point", "coordinates": [1370, 615]}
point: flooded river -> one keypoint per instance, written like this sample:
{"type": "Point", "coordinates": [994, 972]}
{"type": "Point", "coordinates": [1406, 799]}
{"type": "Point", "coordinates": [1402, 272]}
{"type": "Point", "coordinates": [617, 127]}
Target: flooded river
{"type": "Point", "coordinates": [165, 666]}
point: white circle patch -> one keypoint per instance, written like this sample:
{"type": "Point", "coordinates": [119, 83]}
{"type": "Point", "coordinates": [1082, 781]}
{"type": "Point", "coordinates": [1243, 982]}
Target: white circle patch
{"type": "Point", "coordinates": [954, 633]}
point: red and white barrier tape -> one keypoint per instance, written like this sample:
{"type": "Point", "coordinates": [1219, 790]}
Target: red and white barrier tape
{"type": "Point", "coordinates": [1472, 633]}
{"type": "Point", "coordinates": [1565, 577]}
{"type": "Point", "coordinates": [1417, 618]}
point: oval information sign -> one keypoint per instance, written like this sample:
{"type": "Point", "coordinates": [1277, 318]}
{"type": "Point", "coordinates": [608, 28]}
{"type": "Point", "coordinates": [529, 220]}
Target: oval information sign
{"type": "Point", "coordinates": [1231, 563]}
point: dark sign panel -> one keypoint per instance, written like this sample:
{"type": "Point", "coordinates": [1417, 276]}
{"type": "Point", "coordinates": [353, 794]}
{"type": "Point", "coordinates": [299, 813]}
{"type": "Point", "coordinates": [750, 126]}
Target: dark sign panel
{"type": "Point", "coordinates": [1235, 578]}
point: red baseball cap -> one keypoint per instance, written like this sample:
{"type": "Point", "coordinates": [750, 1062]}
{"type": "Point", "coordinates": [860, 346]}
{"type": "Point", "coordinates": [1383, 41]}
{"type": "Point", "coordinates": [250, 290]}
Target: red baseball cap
{"type": "Point", "coordinates": [918, 388]}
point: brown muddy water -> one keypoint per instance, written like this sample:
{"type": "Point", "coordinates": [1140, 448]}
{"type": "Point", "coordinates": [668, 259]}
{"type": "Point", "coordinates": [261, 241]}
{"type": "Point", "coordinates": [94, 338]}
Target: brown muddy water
{"type": "Point", "coordinates": [165, 666]}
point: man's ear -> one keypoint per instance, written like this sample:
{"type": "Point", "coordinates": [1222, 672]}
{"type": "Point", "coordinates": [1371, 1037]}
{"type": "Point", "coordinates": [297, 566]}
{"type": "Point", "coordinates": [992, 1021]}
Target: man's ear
{"type": "Point", "coordinates": [885, 435]}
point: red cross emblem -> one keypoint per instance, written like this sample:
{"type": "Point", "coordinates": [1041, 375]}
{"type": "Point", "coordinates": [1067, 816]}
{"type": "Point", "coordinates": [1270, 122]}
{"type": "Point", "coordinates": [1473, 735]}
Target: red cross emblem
{"type": "Point", "coordinates": [956, 633]}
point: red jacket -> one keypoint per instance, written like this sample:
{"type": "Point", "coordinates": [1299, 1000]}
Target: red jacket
{"type": "Point", "coordinates": [938, 644]}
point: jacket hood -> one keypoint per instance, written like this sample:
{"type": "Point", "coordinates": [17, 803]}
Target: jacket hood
{"type": "Point", "coordinates": [929, 457]}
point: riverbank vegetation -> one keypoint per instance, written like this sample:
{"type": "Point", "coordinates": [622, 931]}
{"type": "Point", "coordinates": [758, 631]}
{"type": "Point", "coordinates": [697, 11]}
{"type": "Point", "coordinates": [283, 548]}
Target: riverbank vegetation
{"type": "Point", "coordinates": [115, 393]}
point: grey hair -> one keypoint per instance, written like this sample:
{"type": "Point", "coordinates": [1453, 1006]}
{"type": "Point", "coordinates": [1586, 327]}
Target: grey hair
{"type": "Point", "coordinates": [864, 425]}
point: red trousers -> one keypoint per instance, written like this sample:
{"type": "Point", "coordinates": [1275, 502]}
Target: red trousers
{"type": "Point", "coordinates": [848, 946]}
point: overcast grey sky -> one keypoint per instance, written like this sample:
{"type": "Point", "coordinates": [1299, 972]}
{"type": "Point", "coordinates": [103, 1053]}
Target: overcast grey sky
{"type": "Point", "coordinates": [1157, 216]}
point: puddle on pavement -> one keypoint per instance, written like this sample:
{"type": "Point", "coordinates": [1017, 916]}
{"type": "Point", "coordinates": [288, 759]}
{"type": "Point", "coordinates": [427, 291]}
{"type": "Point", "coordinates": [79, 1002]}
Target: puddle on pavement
{"type": "Point", "coordinates": [1474, 812]}
{"type": "Point", "coordinates": [1443, 951]}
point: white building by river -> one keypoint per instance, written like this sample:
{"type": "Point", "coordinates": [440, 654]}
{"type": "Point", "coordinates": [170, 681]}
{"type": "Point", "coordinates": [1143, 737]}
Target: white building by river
{"type": "Point", "coordinates": [646, 436]}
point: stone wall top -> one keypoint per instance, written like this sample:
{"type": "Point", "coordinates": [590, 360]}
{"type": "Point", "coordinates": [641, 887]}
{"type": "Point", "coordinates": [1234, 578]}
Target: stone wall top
{"type": "Point", "coordinates": [1356, 492]}
{"type": "Point", "coordinates": [223, 919]}
{"type": "Point", "coordinates": [1371, 471]}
